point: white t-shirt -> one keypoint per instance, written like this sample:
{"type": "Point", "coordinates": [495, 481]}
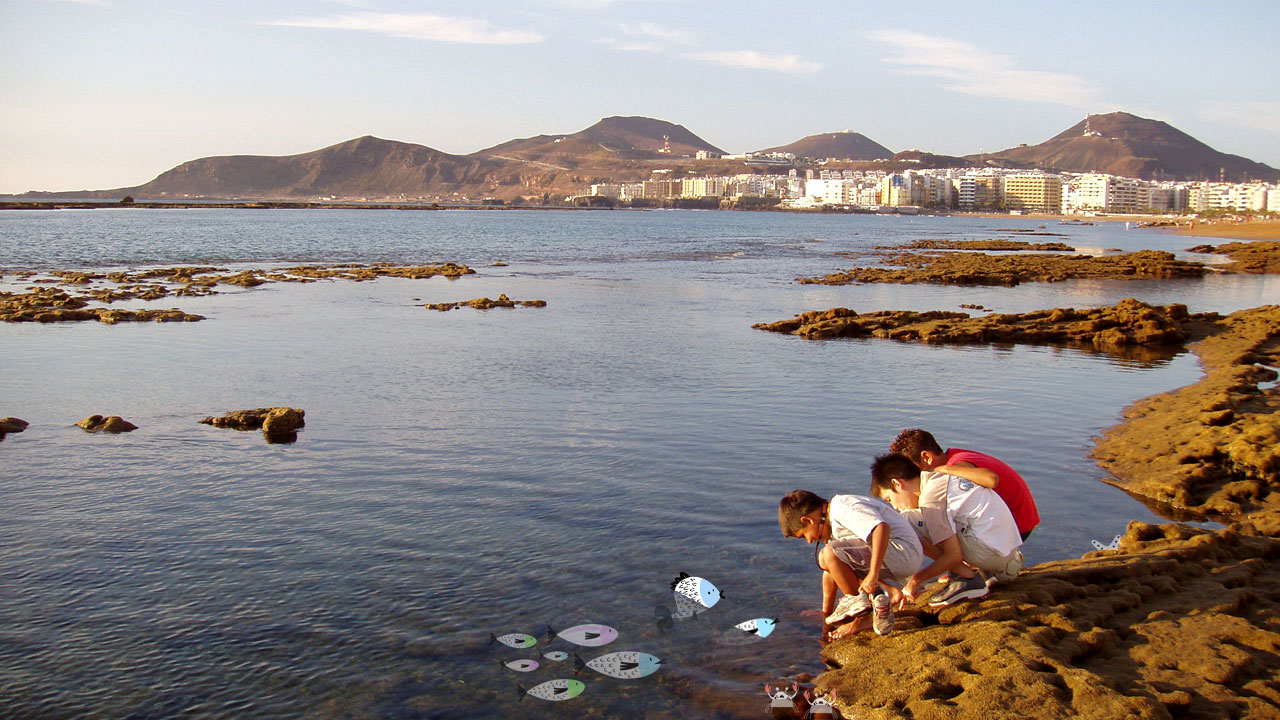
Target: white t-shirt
{"type": "Point", "coordinates": [855, 516]}
{"type": "Point", "coordinates": [947, 499]}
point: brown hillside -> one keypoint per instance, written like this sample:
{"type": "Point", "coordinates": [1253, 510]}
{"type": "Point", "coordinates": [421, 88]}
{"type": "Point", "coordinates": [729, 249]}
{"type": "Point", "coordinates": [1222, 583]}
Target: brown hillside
{"type": "Point", "coordinates": [1123, 144]}
{"type": "Point", "coordinates": [366, 166]}
{"type": "Point", "coordinates": [846, 145]}
{"type": "Point", "coordinates": [631, 138]}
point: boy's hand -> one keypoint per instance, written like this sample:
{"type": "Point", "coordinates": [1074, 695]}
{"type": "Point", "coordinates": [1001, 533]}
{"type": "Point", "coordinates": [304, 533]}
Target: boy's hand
{"type": "Point", "coordinates": [870, 584]}
{"type": "Point", "coordinates": [910, 588]}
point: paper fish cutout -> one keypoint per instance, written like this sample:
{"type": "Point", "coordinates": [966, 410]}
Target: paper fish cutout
{"type": "Point", "coordinates": [693, 595]}
{"type": "Point", "coordinates": [556, 655]}
{"type": "Point", "coordinates": [554, 690]}
{"type": "Point", "coordinates": [521, 665]}
{"type": "Point", "coordinates": [662, 615]}
{"type": "Point", "coordinates": [586, 635]}
{"type": "Point", "coordinates": [626, 664]}
{"type": "Point", "coordinates": [760, 627]}
{"type": "Point", "coordinates": [1113, 545]}
{"type": "Point", "coordinates": [518, 641]}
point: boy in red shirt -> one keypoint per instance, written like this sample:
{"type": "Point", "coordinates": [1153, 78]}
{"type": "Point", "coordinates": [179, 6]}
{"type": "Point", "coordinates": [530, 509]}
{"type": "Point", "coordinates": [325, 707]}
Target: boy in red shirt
{"type": "Point", "coordinates": [924, 451]}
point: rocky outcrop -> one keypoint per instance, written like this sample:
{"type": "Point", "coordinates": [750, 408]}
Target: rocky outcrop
{"type": "Point", "coordinates": [1247, 257]}
{"type": "Point", "coordinates": [1129, 323]}
{"type": "Point", "coordinates": [45, 305]}
{"type": "Point", "coordinates": [997, 245]}
{"type": "Point", "coordinates": [485, 303]}
{"type": "Point", "coordinates": [11, 425]}
{"type": "Point", "coordinates": [1178, 622]}
{"type": "Point", "coordinates": [278, 424]}
{"type": "Point", "coordinates": [1212, 448]}
{"type": "Point", "coordinates": [107, 424]}
{"type": "Point", "coordinates": [968, 268]}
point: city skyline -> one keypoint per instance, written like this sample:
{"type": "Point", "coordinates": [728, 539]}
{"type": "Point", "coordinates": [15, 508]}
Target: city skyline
{"type": "Point", "coordinates": [110, 93]}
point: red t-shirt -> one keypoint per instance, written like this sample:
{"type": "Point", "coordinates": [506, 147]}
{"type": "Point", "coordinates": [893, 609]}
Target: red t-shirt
{"type": "Point", "coordinates": [1012, 488]}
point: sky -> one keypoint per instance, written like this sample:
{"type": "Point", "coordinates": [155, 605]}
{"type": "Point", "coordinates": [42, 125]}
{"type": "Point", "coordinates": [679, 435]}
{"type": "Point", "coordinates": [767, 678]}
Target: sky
{"type": "Point", "coordinates": [101, 94]}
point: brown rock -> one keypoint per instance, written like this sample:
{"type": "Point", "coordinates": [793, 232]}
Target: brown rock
{"type": "Point", "coordinates": [278, 424]}
{"type": "Point", "coordinates": [967, 268]}
{"type": "Point", "coordinates": [12, 425]}
{"type": "Point", "coordinates": [1179, 619]}
{"type": "Point", "coordinates": [485, 303]}
{"type": "Point", "coordinates": [110, 424]}
{"type": "Point", "coordinates": [1247, 257]}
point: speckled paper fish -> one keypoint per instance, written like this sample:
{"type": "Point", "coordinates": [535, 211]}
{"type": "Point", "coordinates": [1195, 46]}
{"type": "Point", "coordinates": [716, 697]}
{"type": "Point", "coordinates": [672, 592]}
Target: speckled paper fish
{"type": "Point", "coordinates": [556, 655]}
{"type": "Point", "coordinates": [585, 635]}
{"type": "Point", "coordinates": [693, 595]}
{"type": "Point", "coordinates": [554, 690]}
{"type": "Point", "coordinates": [519, 641]}
{"type": "Point", "coordinates": [626, 665]}
{"type": "Point", "coordinates": [521, 665]}
{"type": "Point", "coordinates": [760, 627]}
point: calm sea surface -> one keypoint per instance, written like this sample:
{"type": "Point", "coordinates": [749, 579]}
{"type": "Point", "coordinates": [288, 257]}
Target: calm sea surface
{"type": "Point", "coordinates": [469, 473]}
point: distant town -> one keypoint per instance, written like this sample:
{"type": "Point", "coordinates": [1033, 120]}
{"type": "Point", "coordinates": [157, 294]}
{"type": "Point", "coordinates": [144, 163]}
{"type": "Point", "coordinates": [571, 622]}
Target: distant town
{"type": "Point", "coordinates": [970, 189]}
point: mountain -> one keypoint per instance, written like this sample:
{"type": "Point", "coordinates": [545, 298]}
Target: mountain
{"type": "Point", "coordinates": [1122, 144]}
{"type": "Point", "coordinates": [629, 138]}
{"type": "Point", "coordinates": [847, 145]}
{"type": "Point", "coordinates": [366, 166]}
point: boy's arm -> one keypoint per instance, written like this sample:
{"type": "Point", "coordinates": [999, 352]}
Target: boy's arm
{"type": "Point", "coordinates": [949, 556]}
{"type": "Point", "coordinates": [983, 476]}
{"type": "Point", "coordinates": [879, 544]}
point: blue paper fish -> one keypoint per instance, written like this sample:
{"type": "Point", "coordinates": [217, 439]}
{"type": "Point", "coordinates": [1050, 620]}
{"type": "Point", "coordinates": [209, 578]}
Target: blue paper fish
{"type": "Point", "coordinates": [586, 635]}
{"type": "Point", "coordinates": [626, 664]}
{"type": "Point", "coordinates": [760, 627]}
{"type": "Point", "coordinates": [521, 665]}
{"type": "Point", "coordinates": [518, 641]}
{"type": "Point", "coordinates": [693, 595]}
{"type": "Point", "coordinates": [554, 690]}
{"type": "Point", "coordinates": [556, 655]}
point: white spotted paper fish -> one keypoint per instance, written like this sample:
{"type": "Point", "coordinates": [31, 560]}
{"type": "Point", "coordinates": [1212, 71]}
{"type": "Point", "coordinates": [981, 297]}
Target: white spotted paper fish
{"type": "Point", "coordinates": [626, 664]}
{"type": "Point", "coordinates": [518, 641]}
{"type": "Point", "coordinates": [693, 595]}
{"type": "Point", "coordinates": [1113, 545]}
{"type": "Point", "coordinates": [556, 655]}
{"type": "Point", "coordinates": [554, 690]}
{"type": "Point", "coordinates": [521, 665]}
{"type": "Point", "coordinates": [760, 627]}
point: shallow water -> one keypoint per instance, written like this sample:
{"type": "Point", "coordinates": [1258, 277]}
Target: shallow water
{"type": "Point", "coordinates": [468, 473]}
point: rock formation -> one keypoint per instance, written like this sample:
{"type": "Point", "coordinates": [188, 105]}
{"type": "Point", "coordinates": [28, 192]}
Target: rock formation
{"type": "Point", "coordinates": [109, 424]}
{"type": "Point", "coordinates": [278, 424]}
{"type": "Point", "coordinates": [1247, 257]}
{"type": "Point", "coordinates": [485, 303]}
{"type": "Point", "coordinates": [969, 268]}
{"type": "Point", "coordinates": [11, 425]}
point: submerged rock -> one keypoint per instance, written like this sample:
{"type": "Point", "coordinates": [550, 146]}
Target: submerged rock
{"type": "Point", "coordinates": [13, 425]}
{"type": "Point", "coordinates": [109, 424]}
{"type": "Point", "coordinates": [278, 424]}
{"type": "Point", "coordinates": [485, 303]}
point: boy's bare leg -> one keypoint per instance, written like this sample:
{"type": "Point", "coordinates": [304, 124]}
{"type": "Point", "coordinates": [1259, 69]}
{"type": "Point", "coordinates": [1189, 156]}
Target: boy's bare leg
{"type": "Point", "coordinates": [845, 577]}
{"type": "Point", "coordinates": [857, 625]}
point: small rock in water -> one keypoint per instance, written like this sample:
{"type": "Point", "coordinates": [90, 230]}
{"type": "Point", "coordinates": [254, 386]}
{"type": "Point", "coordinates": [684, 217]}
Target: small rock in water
{"type": "Point", "coordinates": [278, 424]}
{"type": "Point", "coordinates": [12, 425]}
{"type": "Point", "coordinates": [110, 424]}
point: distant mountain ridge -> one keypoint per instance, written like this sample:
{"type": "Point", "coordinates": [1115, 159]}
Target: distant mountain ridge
{"type": "Point", "coordinates": [847, 145]}
{"type": "Point", "coordinates": [544, 168]}
{"type": "Point", "coordinates": [1123, 144]}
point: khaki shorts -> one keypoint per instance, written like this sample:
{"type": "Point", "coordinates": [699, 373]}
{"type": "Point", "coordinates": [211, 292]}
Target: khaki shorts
{"type": "Point", "coordinates": [977, 553]}
{"type": "Point", "coordinates": [901, 560]}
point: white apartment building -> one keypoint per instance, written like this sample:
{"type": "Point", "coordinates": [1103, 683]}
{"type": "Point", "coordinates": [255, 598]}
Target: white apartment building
{"type": "Point", "coordinates": [1105, 193]}
{"type": "Point", "coordinates": [1273, 198]}
{"type": "Point", "coordinates": [700, 187]}
{"type": "Point", "coordinates": [964, 190]}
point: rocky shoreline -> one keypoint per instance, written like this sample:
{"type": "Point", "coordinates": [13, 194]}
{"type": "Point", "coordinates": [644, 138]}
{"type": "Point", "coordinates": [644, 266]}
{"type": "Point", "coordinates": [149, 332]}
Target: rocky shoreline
{"type": "Point", "coordinates": [1177, 621]}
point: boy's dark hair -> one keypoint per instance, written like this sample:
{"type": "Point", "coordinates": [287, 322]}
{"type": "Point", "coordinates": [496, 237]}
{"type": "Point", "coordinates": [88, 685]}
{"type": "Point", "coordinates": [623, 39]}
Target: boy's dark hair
{"type": "Point", "coordinates": [889, 466]}
{"type": "Point", "coordinates": [795, 505]}
{"type": "Point", "coordinates": [912, 442]}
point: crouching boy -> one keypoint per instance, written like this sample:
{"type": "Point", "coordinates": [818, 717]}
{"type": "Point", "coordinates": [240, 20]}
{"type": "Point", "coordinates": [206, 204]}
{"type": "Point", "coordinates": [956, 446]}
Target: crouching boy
{"type": "Point", "coordinates": [962, 525]}
{"type": "Point", "coordinates": [868, 543]}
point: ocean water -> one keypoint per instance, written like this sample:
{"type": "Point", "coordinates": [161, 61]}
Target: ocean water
{"type": "Point", "coordinates": [472, 473]}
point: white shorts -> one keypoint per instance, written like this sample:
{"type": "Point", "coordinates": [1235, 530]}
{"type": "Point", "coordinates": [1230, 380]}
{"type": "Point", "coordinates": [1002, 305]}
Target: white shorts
{"type": "Point", "coordinates": [901, 560]}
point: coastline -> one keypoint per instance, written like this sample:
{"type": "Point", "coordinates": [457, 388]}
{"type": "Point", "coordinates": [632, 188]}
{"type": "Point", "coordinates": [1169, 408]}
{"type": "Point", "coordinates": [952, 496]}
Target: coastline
{"type": "Point", "coordinates": [1176, 620]}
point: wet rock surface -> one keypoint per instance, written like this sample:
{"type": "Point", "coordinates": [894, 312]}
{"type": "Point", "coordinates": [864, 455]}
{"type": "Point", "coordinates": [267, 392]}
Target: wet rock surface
{"type": "Point", "coordinates": [278, 424]}
{"type": "Point", "coordinates": [1212, 448]}
{"type": "Point", "coordinates": [11, 425]}
{"type": "Point", "coordinates": [1128, 323]}
{"type": "Point", "coordinates": [1246, 257]}
{"type": "Point", "coordinates": [996, 245]}
{"type": "Point", "coordinates": [485, 303]}
{"type": "Point", "coordinates": [1177, 622]}
{"type": "Point", "coordinates": [42, 303]}
{"type": "Point", "coordinates": [107, 424]}
{"type": "Point", "coordinates": [970, 268]}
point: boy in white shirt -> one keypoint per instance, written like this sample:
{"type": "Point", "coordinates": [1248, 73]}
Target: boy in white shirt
{"type": "Point", "coordinates": [963, 526]}
{"type": "Point", "coordinates": [868, 542]}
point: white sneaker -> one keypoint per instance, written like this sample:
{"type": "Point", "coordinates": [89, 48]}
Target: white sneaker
{"type": "Point", "coordinates": [882, 621]}
{"type": "Point", "coordinates": [850, 606]}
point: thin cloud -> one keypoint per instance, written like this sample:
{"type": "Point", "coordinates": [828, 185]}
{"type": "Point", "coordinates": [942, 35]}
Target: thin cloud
{"type": "Point", "coordinates": [974, 71]}
{"type": "Point", "coordinates": [419, 27]}
{"type": "Point", "coordinates": [1257, 115]}
{"type": "Point", "coordinates": [631, 45]}
{"type": "Point", "coordinates": [95, 3]}
{"type": "Point", "coordinates": [752, 60]}
{"type": "Point", "coordinates": [658, 32]}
